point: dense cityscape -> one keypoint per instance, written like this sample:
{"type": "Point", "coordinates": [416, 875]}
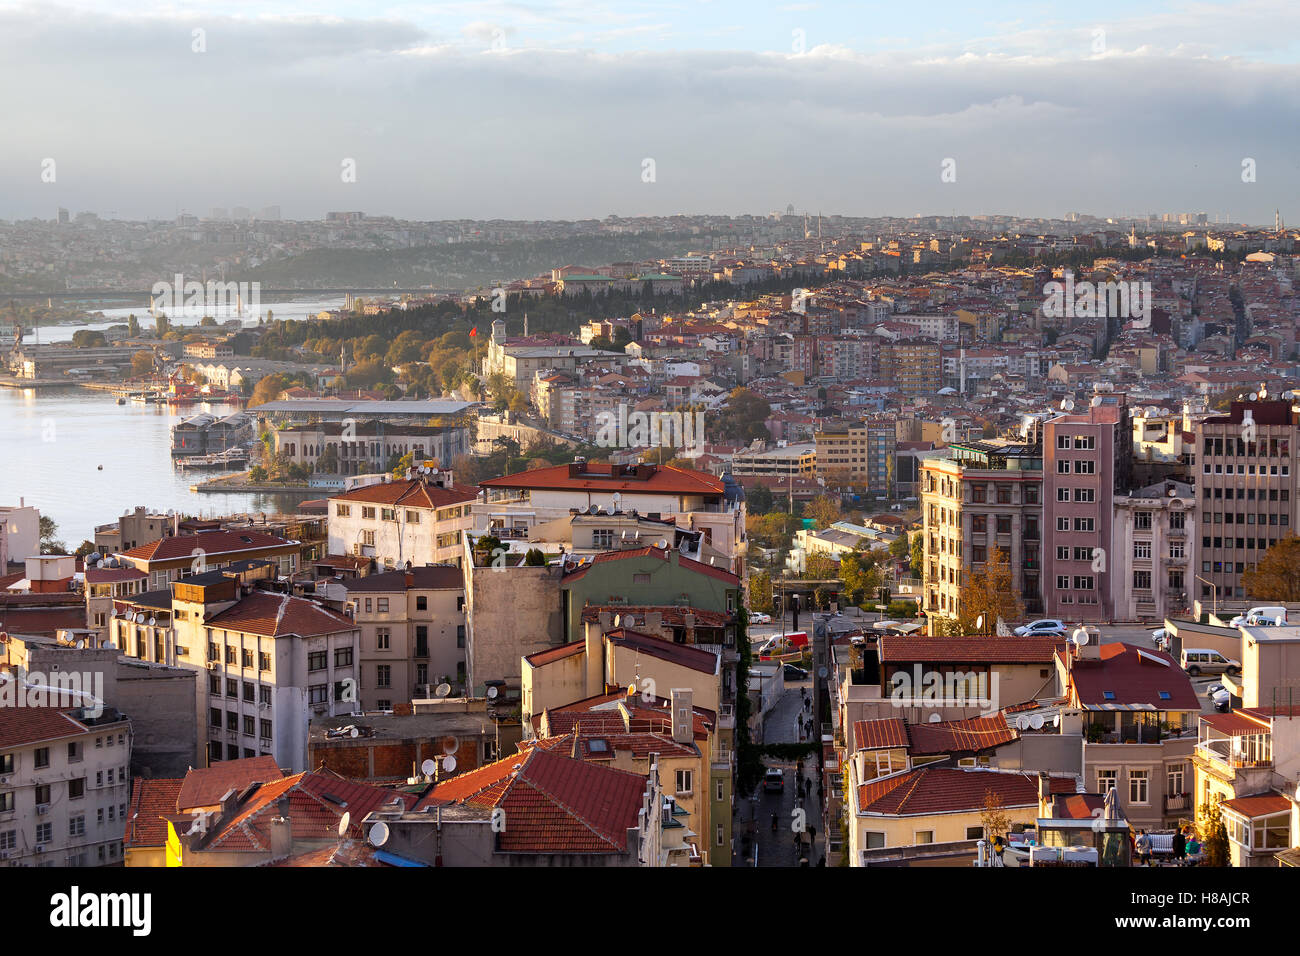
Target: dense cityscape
{"type": "Point", "coordinates": [802, 538]}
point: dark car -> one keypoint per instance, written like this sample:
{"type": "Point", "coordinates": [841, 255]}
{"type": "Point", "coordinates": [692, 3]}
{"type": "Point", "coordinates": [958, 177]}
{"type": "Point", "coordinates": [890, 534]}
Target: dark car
{"type": "Point", "coordinates": [795, 673]}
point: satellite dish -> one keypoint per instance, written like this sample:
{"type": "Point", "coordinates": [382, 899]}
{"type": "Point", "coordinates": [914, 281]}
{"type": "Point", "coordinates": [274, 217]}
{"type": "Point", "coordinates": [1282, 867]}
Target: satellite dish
{"type": "Point", "coordinates": [1096, 400]}
{"type": "Point", "coordinates": [934, 718]}
{"type": "Point", "coordinates": [1067, 404]}
{"type": "Point", "coordinates": [429, 768]}
{"type": "Point", "coordinates": [1150, 411]}
{"type": "Point", "coordinates": [153, 621]}
{"type": "Point", "coordinates": [618, 620]}
{"type": "Point", "coordinates": [1081, 636]}
{"type": "Point", "coordinates": [1036, 721]}
{"type": "Point", "coordinates": [1022, 722]}
{"type": "Point", "coordinates": [685, 546]}
{"type": "Point", "coordinates": [355, 733]}
{"type": "Point", "coordinates": [343, 823]}
{"type": "Point", "coordinates": [379, 834]}
{"type": "Point", "coordinates": [443, 689]}
{"type": "Point", "coordinates": [449, 763]}
{"type": "Point", "coordinates": [663, 543]}
{"type": "Point", "coordinates": [491, 693]}
{"type": "Point", "coordinates": [1056, 721]}
{"type": "Point", "coordinates": [80, 645]}
{"type": "Point", "coordinates": [1254, 396]}
{"type": "Point", "coordinates": [593, 510]}
{"type": "Point", "coordinates": [450, 745]}
{"type": "Point", "coordinates": [979, 622]}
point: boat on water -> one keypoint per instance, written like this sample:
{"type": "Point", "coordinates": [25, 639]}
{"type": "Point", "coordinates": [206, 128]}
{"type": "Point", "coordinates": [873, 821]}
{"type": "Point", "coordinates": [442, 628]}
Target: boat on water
{"type": "Point", "coordinates": [233, 458]}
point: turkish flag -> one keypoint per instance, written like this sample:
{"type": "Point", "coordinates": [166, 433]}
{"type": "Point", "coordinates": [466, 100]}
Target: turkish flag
{"type": "Point", "coordinates": [473, 332]}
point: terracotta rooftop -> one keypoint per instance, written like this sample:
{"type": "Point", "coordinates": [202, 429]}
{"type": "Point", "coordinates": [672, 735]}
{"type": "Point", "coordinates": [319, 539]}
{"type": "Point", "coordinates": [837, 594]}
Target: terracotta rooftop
{"type": "Point", "coordinates": [969, 650]}
{"type": "Point", "coordinates": [929, 790]}
{"type": "Point", "coordinates": [410, 493]}
{"type": "Point", "coordinates": [276, 615]}
{"type": "Point", "coordinates": [205, 786]}
{"type": "Point", "coordinates": [602, 476]}
{"type": "Point", "coordinates": [1126, 677]}
{"type": "Point", "coordinates": [211, 543]}
{"type": "Point", "coordinates": [151, 800]}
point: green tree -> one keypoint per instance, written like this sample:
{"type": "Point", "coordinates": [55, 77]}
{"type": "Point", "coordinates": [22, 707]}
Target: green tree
{"type": "Point", "coordinates": [257, 473]}
{"type": "Point", "coordinates": [918, 554]}
{"type": "Point", "coordinates": [534, 559]}
{"type": "Point", "coordinates": [48, 530]}
{"type": "Point", "coordinates": [85, 548]}
{"type": "Point", "coordinates": [859, 576]}
{"type": "Point", "coordinates": [88, 338]}
{"type": "Point", "coordinates": [132, 326]}
{"type": "Point", "coordinates": [758, 500]}
{"type": "Point", "coordinates": [820, 567]}
{"type": "Point", "coordinates": [141, 364]}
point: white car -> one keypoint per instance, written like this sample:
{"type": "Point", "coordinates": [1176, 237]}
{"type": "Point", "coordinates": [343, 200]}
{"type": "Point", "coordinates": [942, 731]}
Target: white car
{"type": "Point", "coordinates": [1043, 626]}
{"type": "Point", "coordinates": [1160, 638]}
{"type": "Point", "coordinates": [758, 617]}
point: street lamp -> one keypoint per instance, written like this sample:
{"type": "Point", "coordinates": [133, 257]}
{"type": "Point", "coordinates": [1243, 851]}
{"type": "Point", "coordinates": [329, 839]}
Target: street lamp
{"type": "Point", "coordinates": [1214, 592]}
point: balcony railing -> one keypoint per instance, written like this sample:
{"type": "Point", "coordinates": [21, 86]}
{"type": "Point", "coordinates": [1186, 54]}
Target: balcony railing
{"type": "Point", "coordinates": [1178, 802]}
{"type": "Point", "coordinates": [1217, 750]}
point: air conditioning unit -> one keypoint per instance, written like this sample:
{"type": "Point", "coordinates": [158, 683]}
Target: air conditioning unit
{"type": "Point", "coordinates": [264, 705]}
{"type": "Point", "coordinates": [4, 854]}
{"type": "Point", "coordinates": [40, 848]}
{"type": "Point", "coordinates": [359, 549]}
{"type": "Point", "coordinates": [42, 809]}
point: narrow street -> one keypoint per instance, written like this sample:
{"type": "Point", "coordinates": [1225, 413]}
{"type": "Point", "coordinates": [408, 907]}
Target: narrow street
{"type": "Point", "coordinates": [781, 847]}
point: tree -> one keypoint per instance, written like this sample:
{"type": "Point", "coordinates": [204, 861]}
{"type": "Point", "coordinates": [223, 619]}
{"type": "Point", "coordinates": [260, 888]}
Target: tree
{"type": "Point", "coordinates": [161, 325]}
{"type": "Point", "coordinates": [88, 338]}
{"type": "Point", "coordinates": [1277, 575]}
{"type": "Point", "coordinates": [820, 567]}
{"type": "Point", "coordinates": [49, 543]}
{"type": "Point", "coordinates": [990, 592]}
{"type": "Point", "coordinates": [141, 363]}
{"type": "Point", "coordinates": [758, 500]}
{"type": "Point", "coordinates": [132, 326]}
{"type": "Point", "coordinates": [257, 473]}
{"type": "Point", "coordinates": [900, 549]}
{"type": "Point", "coordinates": [534, 559]}
{"type": "Point", "coordinates": [859, 576]}
{"type": "Point", "coordinates": [86, 547]}
{"type": "Point", "coordinates": [825, 510]}
{"type": "Point", "coordinates": [918, 554]}
{"type": "Point", "coordinates": [328, 462]}
{"type": "Point", "coordinates": [1216, 835]}
{"type": "Point", "coordinates": [993, 817]}
{"type": "Point", "coordinates": [760, 592]}
{"type": "Point", "coordinates": [267, 388]}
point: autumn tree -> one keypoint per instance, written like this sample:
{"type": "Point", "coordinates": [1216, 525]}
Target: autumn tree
{"type": "Point", "coordinates": [859, 576]}
{"type": "Point", "coordinates": [1216, 835]}
{"type": "Point", "coordinates": [990, 592]}
{"type": "Point", "coordinates": [141, 363]}
{"type": "Point", "coordinates": [823, 509]}
{"type": "Point", "coordinates": [760, 592]}
{"type": "Point", "coordinates": [820, 567]}
{"type": "Point", "coordinates": [993, 816]}
{"type": "Point", "coordinates": [1277, 575]}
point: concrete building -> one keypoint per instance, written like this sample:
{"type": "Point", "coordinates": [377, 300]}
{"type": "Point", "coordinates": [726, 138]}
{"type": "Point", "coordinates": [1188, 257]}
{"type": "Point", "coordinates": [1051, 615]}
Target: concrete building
{"type": "Point", "coordinates": [777, 463]}
{"type": "Point", "coordinates": [981, 495]}
{"type": "Point", "coordinates": [366, 447]}
{"type": "Point", "coordinates": [418, 520]}
{"type": "Point", "coordinates": [64, 785]}
{"type": "Point", "coordinates": [1245, 474]}
{"type": "Point", "coordinates": [1151, 530]}
{"type": "Point", "coordinates": [1087, 459]}
{"type": "Point", "coordinates": [413, 633]}
{"type": "Point", "coordinates": [849, 455]}
{"type": "Point", "coordinates": [20, 533]}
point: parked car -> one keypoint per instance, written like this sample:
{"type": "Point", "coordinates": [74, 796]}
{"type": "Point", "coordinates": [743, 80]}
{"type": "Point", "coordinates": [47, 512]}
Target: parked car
{"type": "Point", "coordinates": [1266, 615]}
{"type": "Point", "coordinates": [1222, 698]}
{"type": "Point", "coordinates": [774, 779]}
{"type": "Point", "coordinates": [1043, 627]}
{"type": "Point", "coordinates": [795, 673]}
{"type": "Point", "coordinates": [1205, 660]}
{"type": "Point", "coordinates": [1160, 638]}
{"type": "Point", "coordinates": [758, 617]}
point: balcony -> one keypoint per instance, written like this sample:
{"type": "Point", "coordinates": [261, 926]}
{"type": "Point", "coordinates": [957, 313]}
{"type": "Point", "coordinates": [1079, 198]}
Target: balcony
{"type": "Point", "coordinates": [1178, 802]}
{"type": "Point", "coordinates": [1221, 752]}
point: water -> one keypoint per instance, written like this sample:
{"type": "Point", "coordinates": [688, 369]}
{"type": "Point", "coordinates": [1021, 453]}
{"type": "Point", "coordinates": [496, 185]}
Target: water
{"type": "Point", "coordinates": [57, 438]}
{"type": "Point", "coordinates": [300, 309]}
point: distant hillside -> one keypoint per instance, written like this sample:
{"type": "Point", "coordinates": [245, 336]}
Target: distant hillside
{"type": "Point", "coordinates": [464, 265]}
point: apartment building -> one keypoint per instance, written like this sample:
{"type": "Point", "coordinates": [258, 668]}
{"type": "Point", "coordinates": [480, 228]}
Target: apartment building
{"type": "Point", "coordinates": [181, 555]}
{"type": "Point", "coordinates": [64, 786]}
{"type": "Point", "coordinates": [778, 463]}
{"type": "Point", "coordinates": [272, 661]}
{"type": "Point", "coordinates": [1151, 531]}
{"type": "Point", "coordinates": [912, 366]}
{"type": "Point", "coordinates": [412, 633]}
{"type": "Point", "coordinates": [981, 495]}
{"type": "Point", "coordinates": [512, 505]}
{"type": "Point", "coordinates": [1245, 473]}
{"type": "Point", "coordinates": [417, 520]}
{"type": "Point", "coordinates": [858, 454]}
{"type": "Point", "coordinates": [20, 533]}
{"type": "Point", "coordinates": [1087, 458]}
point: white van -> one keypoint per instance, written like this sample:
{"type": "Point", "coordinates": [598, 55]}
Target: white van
{"type": "Point", "coordinates": [1204, 660]}
{"type": "Point", "coordinates": [1263, 616]}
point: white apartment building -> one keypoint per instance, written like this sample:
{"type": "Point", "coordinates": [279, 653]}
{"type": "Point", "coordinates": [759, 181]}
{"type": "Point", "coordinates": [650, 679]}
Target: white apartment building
{"type": "Point", "coordinates": [417, 520]}
{"type": "Point", "coordinates": [20, 533]}
{"type": "Point", "coordinates": [64, 786]}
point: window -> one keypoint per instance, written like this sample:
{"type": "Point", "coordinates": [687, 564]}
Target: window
{"type": "Point", "coordinates": [720, 835]}
{"type": "Point", "coordinates": [263, 661]}
{"type": "Point", "coordinates": [232, 688]}
{"type": "Point", "coordinates": [924, 836]}
{"type": "Point", "coordinates": [421, 603]}
{"type": "Point", "coordinates": [230, 653]}
{"type": "Point", "coordinates": [683, 781]}
{"type": "Point", "coordinates": [381, 605]}
{"type": "Point", "coordinates": [318, 694]}
{"type": "Point", "coordinates": [317, 660]}
{"type": "Point", "coordinates": [232, 722]}
{"type": "Point", "coordinates": [1084, 524]}
{"type": "Point", "coordinates": [265, 729]}
{"type": "Point", "coordinates": [246, 658]}
{"type": "Point", "coordinates": [6, 801]}
{"type": "Point", "coordinates": [248, 726]}
{"type": "Point", "coordinates": [264, 695]}
{"type": "Point", "coordinates": [1142, 580]}
{"type": "Point", "coordinates": [1142, 520]}
{"type": "Point", "coordinates": [720, 791]}
{"type": "Point", "coordinates": [1062, 524]}
{"type": "Point", "coordinates": [1175, 779]}
{"type": "Point", "coordinates": [214, 717]}
{"type": "Point", "coordinates": [368, 513]}
{"type": "Point", "coordinates": [382, 638]}
{"type": "Point", "coordinates": [1084, 466]}
{"type": "Point", "coordinates": [602, 537]}
{"type": "Point", "coordinates": [1086, 495]}
{"type": "Point", "coordinates": [384, 676]}
{"type": "Point", "coordinates": [412, 517]}
{"type": "Point", "coordinates": [77, 788]}
{"type": "Point", "coordinates": [1142, 549]}
{"type": "Point", "coordinates": [1062, 494]}
{"type": "Point", "coordinates": [42, 756]}
{"type": "Point", "coordinates": [250, 691]}
{"type": "Point", "coordinates": [388, 514]}
{"type": "Point", "coordinates": [343, 511]}
{"type": "Point", "coordinates": [1085, 442]}
{"type": "Point", "coordinates": [1106, 780]}
{"type": "Point", "coordinates": [979, 524]}
{"type": "Point", "coordinates": [342, 657]}
{"type": "Point", "coordinates": [44, 833]}
{"type": "Point", "coordinates": [8, 839]}
{"type": "Point", "coordinates": [974, 833]}
{"type": "Point", "coordinates": [1062, 466]}
{"type": "Point", "coordinates": [75, 752]}
{"type": "Point", "coordinates": [1138, 787]}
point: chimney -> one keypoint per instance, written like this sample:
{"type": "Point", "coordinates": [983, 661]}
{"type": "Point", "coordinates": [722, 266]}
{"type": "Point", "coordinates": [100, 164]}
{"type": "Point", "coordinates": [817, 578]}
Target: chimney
{"type": "Point", "coordinates": [1044, 794]}
{"type": "Point", "coordinates": [281, 831]}
{"type": "Point", "coordinates": [683, 725]}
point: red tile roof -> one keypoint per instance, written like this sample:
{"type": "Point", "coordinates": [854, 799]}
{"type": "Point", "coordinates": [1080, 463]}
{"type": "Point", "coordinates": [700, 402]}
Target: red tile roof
{"type": "Point", "coordinates": [275, 615]}
{"type": "Point", "coordinates": [553, 803]}
{"type": "Point", "coordinates": [969, 650]}
{"type": "Point", "coordinates": [1131, 676]}
{"type": "Point", "coordinates": [211, 543]}
{"type": "Point", "coordinates": [1076, 806]}
{"type": "Point", "coordinates": [427, 578]}
{"type": "Point", "coordinates": [553, 654]}
{"type": "Point", "coordinates": [151, 800]}
{"type": "Point", "coordinates": [113, 575]}
{"type": "Point", "coordinates": [411, 493]}
{"type": "Point", "coordinates": [20, 726]}
{"type": "Point", "coordinates": [663, 554]}
{"type": "Point", "coordinates": [205, 786]}
{"type": "Point", "coordinates": [960, 736]}
{"type": "Point", "coordinates": [684, 655]}
{"type": "Point", "coordinates": [41, 620]}
{"type": "Point", "coordinates": [879, 734]}
{"type": "Point", "coordinates": [948, 790]}
{"type": "Point", "coordinates": [601, 476]}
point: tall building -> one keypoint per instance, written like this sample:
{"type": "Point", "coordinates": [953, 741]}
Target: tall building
{"type": "Point", "coordinates": [858, 454]}
{"type": "Point", "coordinates": [981, 495]}
{"type": "Point", "coordinates": [1245, 470]}
{"type": "Point", "coordinates": [1087, 458]}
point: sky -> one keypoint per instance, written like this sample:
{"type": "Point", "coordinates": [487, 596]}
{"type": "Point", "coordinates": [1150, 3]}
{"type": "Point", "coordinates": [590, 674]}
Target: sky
{"type": "Point", "coordinates": [589, 108]}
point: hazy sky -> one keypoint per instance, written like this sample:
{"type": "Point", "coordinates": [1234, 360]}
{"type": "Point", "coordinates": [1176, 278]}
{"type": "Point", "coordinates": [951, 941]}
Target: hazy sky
{"type": "Point", "coordinates": [549, 109]}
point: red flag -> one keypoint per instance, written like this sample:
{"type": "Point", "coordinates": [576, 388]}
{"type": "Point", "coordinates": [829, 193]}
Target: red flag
{"type": "Point", "coordinates": [473, 332]}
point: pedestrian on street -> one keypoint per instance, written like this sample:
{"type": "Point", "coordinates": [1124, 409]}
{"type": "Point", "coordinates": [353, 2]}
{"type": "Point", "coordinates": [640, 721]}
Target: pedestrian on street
{"type": "Point", "coordinates": [1180, 847]}
{"type": "Point", "coordinates": [774, 822]}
